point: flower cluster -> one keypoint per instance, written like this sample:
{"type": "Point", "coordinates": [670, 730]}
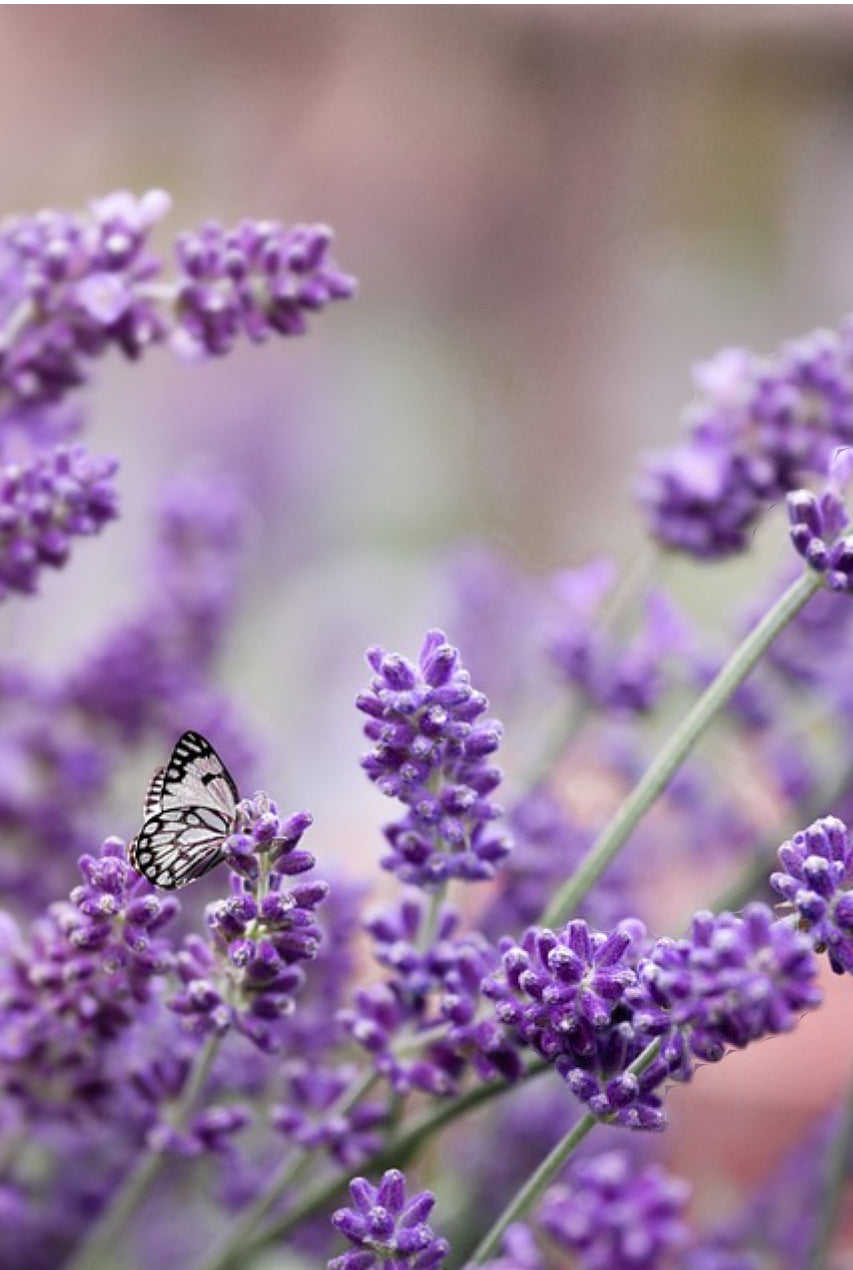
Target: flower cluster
{"type": "Point", "coordinates": [625, 679]}
{"type": "Point", "coordinates": [249, 973]}
{"type": "Point", "coordinates": [759, 426]}
{"type": "Point", "coordinates": [77, 984]}
{"type": "Point", "coordinates": [423, 1026]}
{"type": "Point", "coordinates": [72, 286]}
{"type": "Point", "coordinates": [733, 980]}
{"type": "Point", "coordinates": [312, 1119]}
{"type": "Point", "coordinates": [431, 751]}
{"type": "Point", "coordinates": [565, 994]}
{"type": "Point", "coordinates": [611, 1216]}
{"type": "Point", "coordinates": [817, 881]}
{"type": "Point", "coordinates": [259, 279]}
{"type": "Point", "coordinates": [387, 1228]}
{"type": "Point", "coordinates": [46, 502]}
{"type": "Point", "coordinates": [817, 525]}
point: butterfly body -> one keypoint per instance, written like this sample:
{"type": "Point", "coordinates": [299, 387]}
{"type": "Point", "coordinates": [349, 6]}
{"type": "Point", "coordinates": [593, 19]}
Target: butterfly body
{"type": "Point", "coordinates": [190, 810]}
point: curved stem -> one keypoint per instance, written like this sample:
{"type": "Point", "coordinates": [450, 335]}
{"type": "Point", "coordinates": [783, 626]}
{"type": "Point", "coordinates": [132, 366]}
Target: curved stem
{"type": "Point", "coordinates": [130, 1194]}
{"type": "Point", "coordinates": [616, 833]}
{"type": "Point", "coordinates": [541, 1177]}
{"type": "Point", "coordinates": [292, 1170]}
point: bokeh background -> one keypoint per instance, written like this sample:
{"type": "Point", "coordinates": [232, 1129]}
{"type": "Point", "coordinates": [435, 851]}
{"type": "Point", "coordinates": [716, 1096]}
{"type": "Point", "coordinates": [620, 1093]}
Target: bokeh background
{"type": "Point", "coordinates": [553, 211]}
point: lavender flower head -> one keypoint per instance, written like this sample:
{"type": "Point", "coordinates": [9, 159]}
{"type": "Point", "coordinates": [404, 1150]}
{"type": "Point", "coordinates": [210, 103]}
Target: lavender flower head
{"type": "Point", "coordinates": [77, 984]}
{"type": "Point", "coordinates": [629, 678]}
{"type": "Point", "coordinates": [612, 1218]}
{"type": "Point", "coordinates": [259, 279]}
{"type": "Point", "coordinates": [248, 975]}
{"type": "Point", "coordinates": [818, 522]}
{"type": "Point", "coordinates": [44, 503]}
{"type": "Point", "coordinates": [387, 1230]}
{"type": "Point", "coordinates": [759, 427]}
{"type": "Point", "coordinates": [432, 750]}
{"type": "Point", "coordinates": [74, 285]}
{"type": "Point", "coordinates": [566, 995]}
{"type": "Point", "coordinates": [733, 980]}
{"type": "Point", "coordinates": [817, 881]}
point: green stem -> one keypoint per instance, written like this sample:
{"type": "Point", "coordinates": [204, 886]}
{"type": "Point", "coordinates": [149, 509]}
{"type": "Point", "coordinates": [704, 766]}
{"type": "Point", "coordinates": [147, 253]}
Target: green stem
{"type": "Point", "coordinates": [618, 830]}
{"type": "Point", "coordinates": [527, 1194]}
{"type": "Point", "coordinates": [396, 1153]}
{"type": "Point", "coordinates": [104, 1235]}
{"type": "Point", "coordinates": [832, 1189]}
{"type": "Point", "coordinates": [292, 1170]}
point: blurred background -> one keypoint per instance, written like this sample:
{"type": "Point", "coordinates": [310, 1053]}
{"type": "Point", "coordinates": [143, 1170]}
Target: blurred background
{"type": "Point", "coordinates": [553, 212]}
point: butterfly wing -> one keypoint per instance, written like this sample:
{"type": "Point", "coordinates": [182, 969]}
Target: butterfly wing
{"type": "Point", "coordinates": [178, 845]}
{"type": "Point", "coordinates": [196, 776]}
{"type": "Point", "coordinates": [154, 797]}
{"type": "Point", "coordinates": [189, 812]}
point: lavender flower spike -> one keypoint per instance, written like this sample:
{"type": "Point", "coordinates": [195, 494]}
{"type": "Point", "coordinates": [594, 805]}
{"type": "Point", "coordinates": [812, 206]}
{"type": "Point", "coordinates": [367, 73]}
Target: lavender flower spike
{"type": "Point", "coordinates": [611, 1218]}
{"type": "Point", "coordinates": [432, 750]}
{"type": "Point", "coordinates": [46, 502]}
{"type": "Point", "coordinates": [817, 881]}
{"type": "Point", "coordinates": [386, 1229]}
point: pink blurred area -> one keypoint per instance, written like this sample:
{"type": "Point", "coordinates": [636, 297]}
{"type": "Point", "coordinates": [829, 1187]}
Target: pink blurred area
{"type": "Point", "coordinates": [553, 211]}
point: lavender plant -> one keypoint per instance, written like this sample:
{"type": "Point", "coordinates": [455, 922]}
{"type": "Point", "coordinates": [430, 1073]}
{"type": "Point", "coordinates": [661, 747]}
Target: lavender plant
{"type": "Point", "coordinates": [227, 1061]}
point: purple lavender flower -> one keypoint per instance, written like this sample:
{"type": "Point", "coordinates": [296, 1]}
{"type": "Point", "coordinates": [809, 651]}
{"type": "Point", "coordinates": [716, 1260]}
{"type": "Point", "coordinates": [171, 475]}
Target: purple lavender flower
{"type": "Point", "coordinates": [612, 1218]}
{"type": "Point", "coordinates": [386, 1229]}
{"type": "Point", "coordinates": [46, 502]}
{"type": "Point", "coordinates": [432, 751]}
{"type": "Point", "coordinates": [817, 525]}
{"type": "Point", "coordinates": [731, 981]}
{"type": "Point", "coordinates": [434, 992]}
{"type": "Point", "coordinates": [72, 286]}
{"type": "Point", "coordinates": [566, 995]}
{"type": "Point", "coordinates": [759, 426]}
{"type": "Point", "coordinates": [76, 985]}
{"type": "Point", "coordinates": [629, 678]}
{"type": "Point", "coordinates": [817, 881]}
{"type": "Point", "coordinates": [310, 1120]}
{"type": "Point", "coordinates": [69, 287]}
{"type": "Point", "coordinates": [249, 974]}
{"type": "Point", "coordinates": [259, 279]}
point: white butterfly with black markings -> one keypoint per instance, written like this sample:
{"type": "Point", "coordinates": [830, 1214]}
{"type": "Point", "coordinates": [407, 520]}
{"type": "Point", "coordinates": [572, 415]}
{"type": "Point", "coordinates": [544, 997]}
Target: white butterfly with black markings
{"type": "Point", "coordinates": [190, 810]}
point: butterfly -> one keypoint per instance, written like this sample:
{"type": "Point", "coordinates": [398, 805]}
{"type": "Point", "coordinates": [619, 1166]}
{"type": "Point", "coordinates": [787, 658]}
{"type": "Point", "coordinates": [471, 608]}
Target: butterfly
{"type": "Point", "coordinates": [190, 809]}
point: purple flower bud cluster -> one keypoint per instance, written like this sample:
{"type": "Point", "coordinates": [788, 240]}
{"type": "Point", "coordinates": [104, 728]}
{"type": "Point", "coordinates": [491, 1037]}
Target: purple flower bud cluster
{"type": "Point", "coordinates": [610, 1216]}
{"type": "Point", "coordinates": [72, 286]}
{"type": "Point", "coordinates": [44, 503]}
{"type": "Point", "coordinates": [432, 750]}
{"type": "Point", "coordinates": [760, 425]}
{"type": "Point", "coordinates": [565, 994]}
{"type": "Point", "coordinates": [310, 1117]}
{"type": "Point", "coordinates": [817, 524]}
{"type": "Point", "coordinates": [733, 980]}
{"type": "Point", "coordinates": [160, 1081]}
{"type": "Point", "coordinates": [248, 975]}
{"type": "Point", "coordinates": [627, 678]}
{"type": "Point", "coordinates": [817, 881]}
{"type": "Point", "coordinates": [435, 993]}
{"type": "Point", "coordinates": [259, 279]}
{"type": "Point", "coordinates": [387, 1229]}
{"type": "Point", "coordinates": [76, 985]}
